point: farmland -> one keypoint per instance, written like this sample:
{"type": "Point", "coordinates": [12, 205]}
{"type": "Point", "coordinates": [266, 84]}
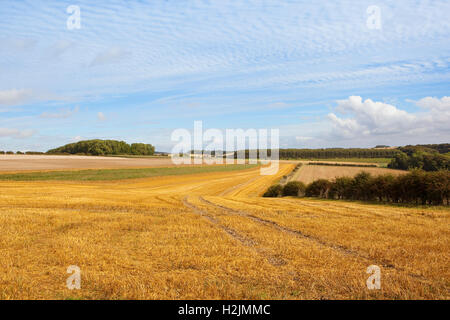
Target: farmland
{"type": "Point", "coordinates": [116, 174]}
{"type": "Point", "coordinates": [12, 163]}
{"type": "Point", "coordinates": [209, 235]}
{"type": "Point", "coordinates": [309, 173]}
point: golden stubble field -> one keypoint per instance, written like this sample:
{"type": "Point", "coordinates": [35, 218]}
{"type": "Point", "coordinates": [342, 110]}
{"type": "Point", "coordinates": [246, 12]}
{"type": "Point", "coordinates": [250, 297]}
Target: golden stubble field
{"type": "Point", "coordinates": [211, 236]}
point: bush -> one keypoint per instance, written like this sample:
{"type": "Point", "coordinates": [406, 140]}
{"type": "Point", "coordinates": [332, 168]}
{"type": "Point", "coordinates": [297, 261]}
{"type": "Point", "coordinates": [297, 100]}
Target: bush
{"type": "Point", "coordinates": [380, 187]}
{"type": "Point", "coordinates": [2, 152]}
{"type": "Point", "coordinates": [9, 152]}
{"type": "Point", "coordinates": [416, 187]}
{"type": "Point", "coordinates": [294, 188]}
{"type": "Point", "coordinates": [318, 188]}
{"type": "Point", "coordinates": [341, 188]}
{"type": "Point", "coordinates": [274, 191]}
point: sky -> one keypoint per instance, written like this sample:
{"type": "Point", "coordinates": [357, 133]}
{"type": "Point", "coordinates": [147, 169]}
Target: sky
{"type": "Point", "coordinates": [325, 73]}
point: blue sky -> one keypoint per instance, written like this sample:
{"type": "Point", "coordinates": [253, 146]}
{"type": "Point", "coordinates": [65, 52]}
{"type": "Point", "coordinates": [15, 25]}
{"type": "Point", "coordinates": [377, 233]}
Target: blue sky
{"type": "Point", "coordinates": [137, 70]}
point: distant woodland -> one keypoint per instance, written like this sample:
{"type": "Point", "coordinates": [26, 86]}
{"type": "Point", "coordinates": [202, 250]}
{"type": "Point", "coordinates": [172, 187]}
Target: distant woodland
{"type": "Point", "coordinates": [99, 147]}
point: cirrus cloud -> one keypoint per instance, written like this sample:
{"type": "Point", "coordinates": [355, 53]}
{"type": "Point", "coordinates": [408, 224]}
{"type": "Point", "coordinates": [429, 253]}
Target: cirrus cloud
{"type": "Point", "coordinates": [111, 55]}
{"type": "Point", "coordinates": [63, 114]}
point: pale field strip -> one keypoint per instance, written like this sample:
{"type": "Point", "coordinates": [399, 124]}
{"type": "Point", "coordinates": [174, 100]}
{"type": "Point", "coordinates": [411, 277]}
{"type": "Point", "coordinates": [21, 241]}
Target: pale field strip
{"type": "Point", "coordinates": [19, 163]}
{"type": "Point", "coordinates": [211, 236]}
{"type": "Point", "coordinates": [309, 173]}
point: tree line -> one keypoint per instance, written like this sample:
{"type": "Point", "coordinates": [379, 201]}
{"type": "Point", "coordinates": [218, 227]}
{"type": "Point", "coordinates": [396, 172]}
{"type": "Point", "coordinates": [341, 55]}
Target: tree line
{"type": "Point", "coordinates": [430, 148]}
{"type": "Point", "coordinates": [343, 164]}
{"type": "Point", "coordinates": [20, 152]}
{"type": "Point", "coordinates": [415, 187]}
{"type": "Point", "coordinates": [379, 151]}
{"type": "Point", "coordinates": [420, 160]}
{"type": "Point", "coordinates": [328, 153]}
{"type": "Point", "coordinates": [336, 153]}
{"type": "Point", "coordinates": [99, 147]}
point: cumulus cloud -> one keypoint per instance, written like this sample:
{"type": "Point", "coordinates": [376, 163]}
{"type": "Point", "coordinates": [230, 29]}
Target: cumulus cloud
{"type": "Point", "coordinates": [14, 96]}
{"type": "Point", "coordinates": [442, 104]}
{"type": "Point", "coordinates": [437, 111]}
{"type": "Point", "coordinates": [15, 133]}
{"type": "Point", "coordinates": [62, 114]}
{"type": "Point", "coordinates": [365, 118]}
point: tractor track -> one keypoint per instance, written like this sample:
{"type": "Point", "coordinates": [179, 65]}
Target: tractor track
{"type": "Point", "coordinates": [245, 240]}
{"type": "Point", "coordinates": [340, 248]}
{"type": "Point", "coordinates": [226, 191]}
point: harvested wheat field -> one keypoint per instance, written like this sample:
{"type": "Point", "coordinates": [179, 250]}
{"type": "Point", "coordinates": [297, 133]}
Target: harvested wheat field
{"type": "Point", "coordinates": [309, 173]}
{"type": "Point", "coordinates": [211, 236]}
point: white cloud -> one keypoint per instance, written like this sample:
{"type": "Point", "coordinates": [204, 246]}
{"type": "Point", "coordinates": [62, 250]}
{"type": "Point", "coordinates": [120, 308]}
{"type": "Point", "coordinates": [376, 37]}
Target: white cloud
{"type": "Point", "coordinates": [431, 103]}
{"type": "Point", "coordinates": [437, 112]}
{"type": "Point", "coordinates": [14, 96]}
{"type": "Point", "coordinates": [365, 119]}
{"type": "Point", "coordinates": [16, 133]}
{"type": "Point", "coordinates": [63, 114]}
{"type": "Point", "coordinates": [101, 116]}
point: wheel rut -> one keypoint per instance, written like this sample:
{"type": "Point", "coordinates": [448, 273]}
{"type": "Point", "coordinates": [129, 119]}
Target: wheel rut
{"type": "Point", "coordinates": [243, 239]}
{"type": "Point", "coordinates": [342, 249]}
{"type": "Point", "coordinates": [226, 191]}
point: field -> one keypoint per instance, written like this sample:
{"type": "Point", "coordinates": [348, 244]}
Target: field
{"type": "Point", "coordinates": [209, 235]}
{"type": "Point", "coordinates": [309, 173]}
{"type": "Point", "coordinates": [116, 174]}
{"type": "Point", "coordinates": [9, 163]}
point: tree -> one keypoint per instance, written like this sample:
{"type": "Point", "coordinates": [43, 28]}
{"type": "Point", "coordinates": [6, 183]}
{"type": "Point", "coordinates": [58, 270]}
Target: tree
{"type": "Point", "coordinates": [431, 161]}
{"type": "Point", "coordinates": [294, 188]}
{"type": "Point", "coordinates": [318, 188]}
{"type": "Point", "coordinates": [400, 161]}
{"type": "Point", "coordinates": [104, 147]}
{"type": "Point", "coordinates": [380, 186]}
{"type": "Point", "coordinates": [361, 186]}
{"type": "Point", "coordinates": [341, 188]}
{"type": "Point", "coordinates": [274, 191]}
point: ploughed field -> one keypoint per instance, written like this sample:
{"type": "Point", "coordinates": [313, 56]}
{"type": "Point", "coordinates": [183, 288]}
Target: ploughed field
{"type": "Point", "coordinates": [14, 162]}
{"type": "Point", "coordinates": [210, 235]}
